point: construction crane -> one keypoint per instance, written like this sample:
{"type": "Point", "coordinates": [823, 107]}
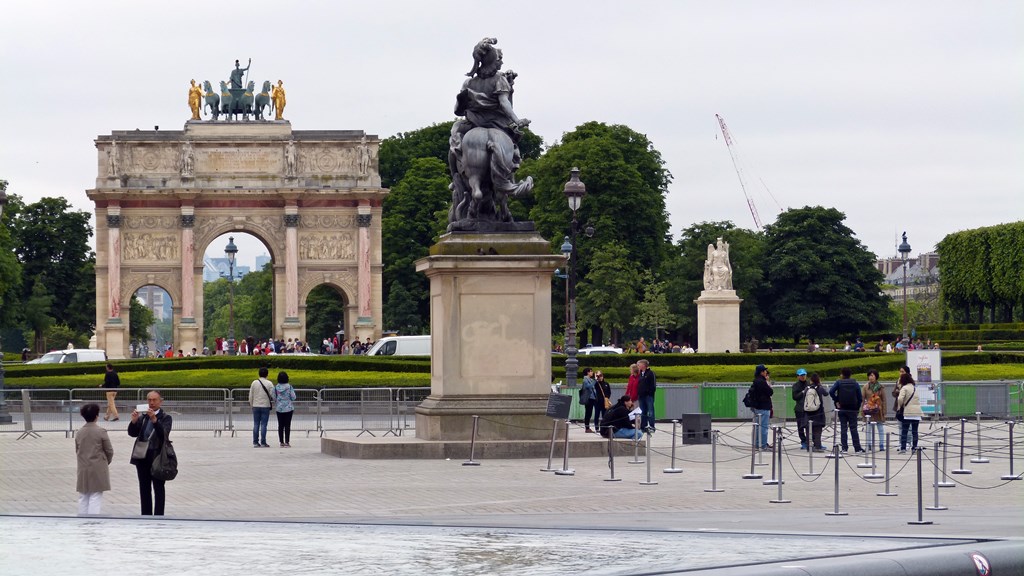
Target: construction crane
{"type": "Point", "coordinates": [739, 172]}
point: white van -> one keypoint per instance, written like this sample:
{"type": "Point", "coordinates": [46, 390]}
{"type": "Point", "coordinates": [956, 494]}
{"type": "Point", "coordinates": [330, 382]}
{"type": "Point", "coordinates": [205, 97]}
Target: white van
{"type": "Point", "coordinates": [73, 355]}
{"type": "Point", "coordinates": [401, 346]}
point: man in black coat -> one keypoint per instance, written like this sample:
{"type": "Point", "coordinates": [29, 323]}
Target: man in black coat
{"type": "Point", "coordinates": [847, 396]}
{"type": "Point", "coordinates": [648, 385]}
{"type": "Point", "coordinates": [798, 409]}
{"type": "Point", "coordinates": [761, 392]}
{"type": "Point", "coordinates": [153, 426]}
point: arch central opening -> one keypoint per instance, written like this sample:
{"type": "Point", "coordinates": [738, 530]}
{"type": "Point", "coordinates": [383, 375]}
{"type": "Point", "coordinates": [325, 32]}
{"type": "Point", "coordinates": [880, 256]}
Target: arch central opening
{"type": "Point", "coordinates": [238, 294]}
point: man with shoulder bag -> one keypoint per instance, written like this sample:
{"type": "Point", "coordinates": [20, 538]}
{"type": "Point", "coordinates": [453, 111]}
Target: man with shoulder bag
{"type": "Point", "coordinates": [151, 429]}
{"type": "Point", "coordinates": [261, 400]}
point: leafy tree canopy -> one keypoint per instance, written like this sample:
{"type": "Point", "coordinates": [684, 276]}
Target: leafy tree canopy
{"type": "Point", "coordinates": [607, 296]}
{"type": "Point", "coordinates": [10, 272]}
{"type": "Point", "coordinates": [822, 281]}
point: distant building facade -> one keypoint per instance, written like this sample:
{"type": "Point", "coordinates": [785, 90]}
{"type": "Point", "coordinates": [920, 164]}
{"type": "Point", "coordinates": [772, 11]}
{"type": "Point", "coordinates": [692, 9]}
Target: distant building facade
{"type": "Point", "coordinates": [923, 277]}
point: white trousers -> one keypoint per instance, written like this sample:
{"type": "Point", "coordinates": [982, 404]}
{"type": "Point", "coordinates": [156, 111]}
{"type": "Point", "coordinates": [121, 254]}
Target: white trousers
{"type": "Point", "coordinates": [89, 503]}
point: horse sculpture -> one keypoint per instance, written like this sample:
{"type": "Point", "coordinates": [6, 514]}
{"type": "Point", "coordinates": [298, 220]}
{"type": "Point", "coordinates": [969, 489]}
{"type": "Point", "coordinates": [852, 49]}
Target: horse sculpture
{"type": "Point", "coordinates": [212, 99]}
{"type": "Point", "coordinates": [243, 105]}
{"type": "Point", "coordinates": [262, 101]}
{"type": "Point", "coordinates": [225, 99]}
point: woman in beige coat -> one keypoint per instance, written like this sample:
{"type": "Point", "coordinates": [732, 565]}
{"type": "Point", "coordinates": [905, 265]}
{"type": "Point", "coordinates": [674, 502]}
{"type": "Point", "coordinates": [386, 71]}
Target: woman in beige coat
{"type": "Point", "coordinates": [92, 445]}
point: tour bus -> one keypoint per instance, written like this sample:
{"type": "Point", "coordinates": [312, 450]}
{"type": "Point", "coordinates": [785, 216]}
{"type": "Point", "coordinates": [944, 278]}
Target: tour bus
{"type": "Point", "coordinates": [401, 346]}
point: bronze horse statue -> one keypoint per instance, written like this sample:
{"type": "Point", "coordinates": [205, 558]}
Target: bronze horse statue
{"type": "Point", "coordinates": [485, 161]}
{"type": "Point", "coordinates": [212, 100]}
{"type": "Point", "coordinates": [225, 99]}
{"type": "Point", "coordinates": [262, 101]}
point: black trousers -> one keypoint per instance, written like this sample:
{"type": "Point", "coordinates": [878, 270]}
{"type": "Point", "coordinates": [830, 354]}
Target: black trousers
{"type": "Point", "coordinates": [149, 489]}
{"type": "Point", "coordinates": [848, 420]}
{"type": "Point", "coordinates": [284, 427]}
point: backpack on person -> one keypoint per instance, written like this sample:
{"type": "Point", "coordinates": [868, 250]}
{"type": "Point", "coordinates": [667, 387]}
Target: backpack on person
{"type": "Point", "coordinates": [812, 400]}
{"type": "Point", "coordinates": [747, 400]}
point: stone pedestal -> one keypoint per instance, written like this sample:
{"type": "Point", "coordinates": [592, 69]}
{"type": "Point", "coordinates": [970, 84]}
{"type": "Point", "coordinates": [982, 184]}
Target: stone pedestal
{"type": "Point", "coordinates": [490, 315]}
{"type": "Point", "coordinates": [188, 335]}
{"type": "Point", "coordinates": [718, 321]}
{"type": "Point", "coordinates": [115, 342]}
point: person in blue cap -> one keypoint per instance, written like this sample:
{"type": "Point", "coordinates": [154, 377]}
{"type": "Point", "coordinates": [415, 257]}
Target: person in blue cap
{"type": "Point", "coordinates": [799, 387]}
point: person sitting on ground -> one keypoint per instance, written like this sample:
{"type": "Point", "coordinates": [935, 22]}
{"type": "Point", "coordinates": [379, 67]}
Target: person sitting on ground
{"type": "Point", "coordinates": [617, 421]}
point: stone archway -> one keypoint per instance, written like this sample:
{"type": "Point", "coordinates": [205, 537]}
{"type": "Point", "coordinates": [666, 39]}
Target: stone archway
{"type": "Point", "coordinates": [161, 195]}
{"type": "Point", "coordinates": [344, 286]}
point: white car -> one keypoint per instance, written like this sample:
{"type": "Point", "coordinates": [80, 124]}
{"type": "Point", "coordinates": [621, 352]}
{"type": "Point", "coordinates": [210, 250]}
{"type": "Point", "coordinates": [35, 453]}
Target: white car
{"type": "Point", "coordinates": [596, 350]}
{"type": "Point", "coordinates": [74, 355]}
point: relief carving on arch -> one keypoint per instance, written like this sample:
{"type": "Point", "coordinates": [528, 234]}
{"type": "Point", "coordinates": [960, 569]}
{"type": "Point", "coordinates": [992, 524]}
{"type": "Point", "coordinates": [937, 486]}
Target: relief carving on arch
{"type": "Point", "coordinates": [150, 246]}
{"type": "Point", "coordinates": [343, 279]}
{"type": "Point", "coordinates": [328, 160]}
{"type": "Point", "coordinates": [150, 222]}
{"type": "Point", "coordinates": [320, 246]}
{"type": "Point", "coordinates": [169, 281]}
{"type": "Point", "coordinates": [149, 159]}
{"type": "Point", "coordinates": [328, 221]}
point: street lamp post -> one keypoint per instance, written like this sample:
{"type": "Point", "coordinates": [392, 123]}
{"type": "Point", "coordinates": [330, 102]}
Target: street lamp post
{"type": "Point", "coordinates": [565, 276]}
{"type": "Point", "coordinates": [574, 192]}
{"type": "Point", "coordinates": [5, 418]}
{"type": "Point", "coordinates": [904, 250]}
{"type": "Point", "coordinates": [230, 250]}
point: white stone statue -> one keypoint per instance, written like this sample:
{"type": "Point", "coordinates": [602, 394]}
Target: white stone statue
{"type": "Point", "coordinates": [363, 152]}
{"type": "Point", "coordinates": [289, 159]}
{"type": "Point", "coordinates": [717, 270]}
{"type": "Point", "coordinates": [113, 160]}
{"type": "Point", "coordinates": [188, 160]}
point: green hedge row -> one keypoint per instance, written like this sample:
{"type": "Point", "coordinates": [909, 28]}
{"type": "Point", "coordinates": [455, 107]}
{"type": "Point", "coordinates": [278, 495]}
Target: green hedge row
{"type": "Point", "coordinates": [973, 335]}
{"type": "Point", "coordinates": [406, 364]}
{"type": "Point", "coordinates": [998, 326]}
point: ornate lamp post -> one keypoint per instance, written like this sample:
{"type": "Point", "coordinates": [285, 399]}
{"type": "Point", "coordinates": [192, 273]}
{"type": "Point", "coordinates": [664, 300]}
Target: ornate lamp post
{"type": "Point", "coordinates": [904, 250]}
{"type": "Point", "coordinates": [565, 276]}
{"type": "Point", "coordinates": [574, 192]}
{"type": "Point", "coordinates": [230, 250]}
{"type": "Point", "coordinates": [5, 418]}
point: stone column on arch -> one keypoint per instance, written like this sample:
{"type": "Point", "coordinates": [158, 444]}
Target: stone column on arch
{"type": "Point", "coordinates": [364, 280]}
{"type": "Point", "coordinates": [291, 265]}
{"type": "Point", "coordinates": [115, 342]}
{"type": "Point", "coordinates": [188, 330]}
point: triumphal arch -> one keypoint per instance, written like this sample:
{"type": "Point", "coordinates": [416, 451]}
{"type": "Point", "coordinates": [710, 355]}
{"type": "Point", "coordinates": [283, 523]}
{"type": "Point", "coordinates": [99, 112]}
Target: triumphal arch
{"type": "Point", "coordinates": [312, 196]}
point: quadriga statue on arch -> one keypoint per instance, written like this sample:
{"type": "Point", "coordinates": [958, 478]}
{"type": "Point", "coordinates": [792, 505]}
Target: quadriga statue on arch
{"type": "Point", "coordinates": [484, 154]}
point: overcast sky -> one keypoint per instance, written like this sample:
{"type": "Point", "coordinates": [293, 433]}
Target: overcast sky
{"type": "Point", "coordinates": [903, 115]}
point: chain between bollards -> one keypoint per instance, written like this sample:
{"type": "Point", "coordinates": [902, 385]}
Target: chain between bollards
{"type": "Point", "coordinates": [648, 482]}
{"type": "Point", "coordinates": [551, 452]}
{"type": "Point", "coordinates": [920, 496]}
{"type": "Point", "coordinates": [979, 459]}
{"type": "Point", "coordinates": [672, 468]}
{"type": "Point", "coordinates": [961, 469]}
{"type": "Point", "coordinates": [887, 476]}
{"type": "Point", "coordinates": [1011, 475]}
{"type": "Point", "coordinates": [714, 464]}
{"type": "Point", "coordinates": [935, 484]}
{"type": "Point", "coordinates": [835, 511]}
{"type": "Point", "coordinates": [566, 471]}
{"type": "Point", "coordinates": [611, 456]}
{"type": "Point", "coordinates": [472, 444]}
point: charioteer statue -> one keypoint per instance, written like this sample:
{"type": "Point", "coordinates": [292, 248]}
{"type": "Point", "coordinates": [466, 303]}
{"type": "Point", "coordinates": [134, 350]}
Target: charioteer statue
{"type": "Point", "coordinates": [237, 97]}
{"type": "Point", "coordinates": [483, 154]}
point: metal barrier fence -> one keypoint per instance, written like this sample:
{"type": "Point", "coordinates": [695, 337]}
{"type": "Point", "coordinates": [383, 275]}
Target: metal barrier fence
{"type": "Point", "coordinates": [724, 400]}
{"type": "Point", "coordinates": [386, 410]}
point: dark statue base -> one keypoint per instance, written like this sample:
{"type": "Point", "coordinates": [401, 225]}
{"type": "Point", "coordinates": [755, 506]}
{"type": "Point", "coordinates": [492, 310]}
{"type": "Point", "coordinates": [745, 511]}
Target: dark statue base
{"type": "Point", "coordinates": [489, 226]}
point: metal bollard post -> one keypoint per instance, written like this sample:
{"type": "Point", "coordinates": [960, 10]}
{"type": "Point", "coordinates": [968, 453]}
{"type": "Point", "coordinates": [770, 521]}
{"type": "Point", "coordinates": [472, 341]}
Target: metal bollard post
{"type": "Point", "coordinates": [810, 450]}
{"type": "Point", "coordinates": [778, 449]}
{"type": "Point", "coordinates": [869, 436]}
{"type": "Point", "coordinates": [935, 464]}
{"type": "Point", "coordinates": [611, 458]}
{"type": "Point", "coordinates": [1011, 475]}
{"type": "Point", "coordinates": [979, 459]}
{"type": "Point", "coordinates": [961, 469]}
{"type": "Point", "coordinates": [672, 469]}
{"type": "Point", "coordinates": [753, 451]}
{"type": "Point", "coordinates": [835, 511]}
{"type": "Point", "coordinates": [777, 440]}
{"type": "Point", "coordinates": [834, 453]}
{"type": "Point", "coordinates": [648, 482]}
{"type": "Point", "coordinates": [566, 471]}
{"type": "Point", "coordinates": [714, 464]}
{"type": "Point", "coordinates": [945, 483]}
{"type": "Point", "coordinates": [920, 497]}
{"type": "Point", "coordinates": [757, 441]}
{"type": "Point", "coordinates": [551, 452]}
{"type": "Point", "coordinates": [636, 446]}
{"type": "Point", "coordinates": [887, 477]}
{"type": "Point", "coordinates": [472, 444]}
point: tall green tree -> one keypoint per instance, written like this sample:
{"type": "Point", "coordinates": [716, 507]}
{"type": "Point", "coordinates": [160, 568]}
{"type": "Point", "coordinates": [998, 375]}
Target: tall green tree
{"type": "Point", "coordinates": [52, 241]}
{"type": "Point", "coordinates": [401, 311]}
{"type": "Point", "coordinates": [606, 297]}
{"type": "Point", "coordinates": [325, 314]}
{"type": "Point", "coordinates": [653, 311]}
{"type": "Point", "coordinates": [981, 271]}
{"type": "Point", "coordinates": [822, 281]}
{"type": "Point", "coordinates": [37, 313]}
{"type": "Point", "coordinates": [415, 214]}
{"type": "Point", "coordinates": [140, 320]}
{"type": "Point", "coordinates": [684, 273]}
{"type": "Point", "coordinates": [10, 272]}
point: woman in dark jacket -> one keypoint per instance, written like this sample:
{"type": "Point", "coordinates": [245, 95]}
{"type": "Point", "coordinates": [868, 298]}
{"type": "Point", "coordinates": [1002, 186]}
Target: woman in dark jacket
{"type": "Point", "coordinates": [761, 402]}
{"type": "Point", "coordinates": [587, 394]}
{"type": "Point", "coordinates": [602, 390]}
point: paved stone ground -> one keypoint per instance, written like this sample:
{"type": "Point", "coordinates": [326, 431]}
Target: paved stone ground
{"type": "Point", "coordinates": [225, 478]}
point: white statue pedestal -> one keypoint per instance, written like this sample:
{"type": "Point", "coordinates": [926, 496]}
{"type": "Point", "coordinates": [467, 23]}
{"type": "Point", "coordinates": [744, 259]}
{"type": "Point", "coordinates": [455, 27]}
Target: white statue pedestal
{"type": "Point", "coordinates": [490, 322]}
{"type": "Point", "coordinates": [718, 321]}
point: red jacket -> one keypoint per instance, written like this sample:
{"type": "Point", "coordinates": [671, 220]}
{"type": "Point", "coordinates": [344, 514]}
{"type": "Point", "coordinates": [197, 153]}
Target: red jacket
{"type": "Point", "coordinates": [633, 386]}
